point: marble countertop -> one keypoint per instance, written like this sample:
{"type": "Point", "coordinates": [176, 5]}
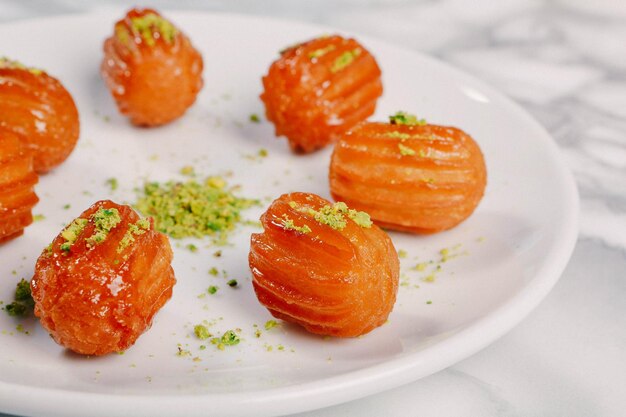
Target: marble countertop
{"type": "Point", "coordinates": [564, 61]}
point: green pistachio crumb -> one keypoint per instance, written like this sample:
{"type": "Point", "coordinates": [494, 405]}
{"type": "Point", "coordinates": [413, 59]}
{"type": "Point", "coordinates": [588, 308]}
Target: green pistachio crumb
{"type": "Point", "coordinates": [288, 224]}
{"type": "Point", "coordinates": [122, 34]}
{"type": "Point", "coordinates": [232, 283]}
{"type": "Point", "coordinates": [214, 271]}
{"type": "Point", "coordinates": [254, 118]}
{"type": "Point", "coordinates": [335, 216]}
{"type": "Point", "coordinates": [270, 324]}
{"type": "Point", "coordinates": [188, 171]}
{"type": "Point", "coordinates": [71, 233]}
{"type": "Point", "coordinates": [135, 229]}
{"type": "Point", "coordinates": [398, 135]}
{"type": "Point", "coordinates": [193, 209]}
{"type": "Point", "coordinates": [402, 253]}
{"type": "Point", "coordinates": [361, 218]}
{"type": "Point", "coordinates": [403, 118]}
{"type": "Point", "coordinates": [429, 302]}
{"type": "Point", "coordinates": [213, 289]}
{"type": "Point", "coordinates": [104, 221]}
{"type": "Point", "coordinates": [67, 207]}
{"type": "Point", "coordinates": [201, 332]}
{"type": "Point", "coordinates": [344, 60]}
{"type": "Point", "coordinates": [420, 266]}
{"type": "Point", "coordinates": [429, 278]}
{"type": "Point", "coordinates": [322, 51]}
{"type": "Point", "coordinates": [192, 248]}
{"type": "Point", "coordinates": [23, 303]}
{"type": "Point", "coordinates": [332, 215]}
{"type": "Point", "coordinates": [38, 217]}
{"type": "Point", "coordinates": [11, 64]}
{"type": "Point", "coordinates": [152, 24]}
{"type": "Point", "coordinates": [405, 150]}
{"type": "Point", "coordinates": [112, 183]}
{"type": "Point", "coordinates": [263, 153]}
{"type": "Point", "coordinates": [182, 352]}
{"type": "Point", "coordinates": [229, 338]}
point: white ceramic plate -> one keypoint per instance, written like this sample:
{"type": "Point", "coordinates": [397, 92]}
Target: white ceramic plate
{"type": "Point", "coordinates": [511, 251]}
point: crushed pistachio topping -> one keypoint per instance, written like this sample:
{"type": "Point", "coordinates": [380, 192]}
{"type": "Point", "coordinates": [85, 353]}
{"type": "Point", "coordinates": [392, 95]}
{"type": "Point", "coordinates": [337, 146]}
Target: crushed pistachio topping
{"type": "Point", "coordinates": [288, 224]}
{"type": "Point", "coordinates": [232, 283]}
{"type": "Point", "coordinates": [398, 135]}
{"type": "Point", "coordinates": [192, 248]}
{"type": "Point", "coordinates": [344, 60]}
{"type": "Point", "coordinates": [71, 233]}
{"type": "Point", "coordinates": [318, 53]}
{"type": "Point", "coordinates": [151, 27]}
{"type": "Point", "coordinates": [403, 118]}
{"type": "Point", "coordinates": [229, 338]}
{"type": "Point", "coordinates": [134, 229]}
{"type": "Point", "coordinates": [254, 118]}
{"type": "Point", "coordinates": [213, 271]}
{"type": "Point", "coordinates": [23, 303]}
{"type": "Point", "coordinates": [201, 332]}
{"type": "Point", "coordinates": [405, 150]}
{"type": "Point", "coordinates": [11, 64]}
{"type": "Point", "coordinates": [104, 221]}
{"type": "Point", "coordinates": [213, 289]}
{"type": "Point", "coordinates": [293, 204]}
{"type": "Point", "coordinates": [361, 218]}
{"type": "Point", "coordinates": [335, 216]}
{"type": "Point", "coordinates": [122, 34]}
{"type": "Point", "coordinates": [402, 253]}
{"type": "Point", "coordinates": [193, 209]}
{"type": "Point", "coordinates": [39, 217]}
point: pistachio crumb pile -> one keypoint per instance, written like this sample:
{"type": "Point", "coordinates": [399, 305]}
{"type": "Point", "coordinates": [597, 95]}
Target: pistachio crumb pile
{"type": "Point", "coordinates": [192, 208]}
{"type": "Point", "coordinates": [23, 304]}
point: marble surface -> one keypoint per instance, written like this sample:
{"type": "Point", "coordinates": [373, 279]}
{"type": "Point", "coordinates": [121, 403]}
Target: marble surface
{"type": "Point", "coordinates": [565, 62]}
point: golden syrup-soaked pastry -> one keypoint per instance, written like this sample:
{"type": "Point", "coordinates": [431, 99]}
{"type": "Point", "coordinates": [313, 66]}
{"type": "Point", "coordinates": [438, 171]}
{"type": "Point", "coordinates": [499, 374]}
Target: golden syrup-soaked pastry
{"type": "Point", "coordinates": [318, 89]}
{"type": "Point", "coordinates": [324, 266]}
{"type": "Point", "coordinates": [152, 69]}
{"type": "Point", "coordinates": [102, 279]}
{"type": "Point", "coordinates": [17, 182]}
{"type": "Point", "coordinates": [409, 175]}
{"type": "Point", "coordinates": [37, 108]}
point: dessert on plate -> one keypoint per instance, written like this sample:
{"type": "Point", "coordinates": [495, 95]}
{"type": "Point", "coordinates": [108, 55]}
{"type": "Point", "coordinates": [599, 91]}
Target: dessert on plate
{"type": "Point", "coordinates": [151, 68]}
{"type": "Point", "coordinates": [100, 282]}
{"type": "Point", "coordinates": [17, 182]}
{"type": "Point", "coordinates": [36, 107]}
{"type": "Point", "coordinates": [323, 266]}
{"type": "Point", "coordinates": [409, 175]}
{"type": "Point", "coordinates": [318, 89]}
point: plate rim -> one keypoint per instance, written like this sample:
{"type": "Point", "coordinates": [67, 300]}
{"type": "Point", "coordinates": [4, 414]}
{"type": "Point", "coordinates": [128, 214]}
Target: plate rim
{"type": "Point", "coordinates": [324, 392]}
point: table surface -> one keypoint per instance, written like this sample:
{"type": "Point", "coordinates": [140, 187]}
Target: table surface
{"type": "Point", "coordinates": [564, 61]}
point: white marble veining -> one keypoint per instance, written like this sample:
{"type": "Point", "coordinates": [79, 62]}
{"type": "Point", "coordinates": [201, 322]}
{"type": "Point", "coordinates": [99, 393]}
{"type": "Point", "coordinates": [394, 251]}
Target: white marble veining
{"type": "Point", "coordinates": [565, 62]}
